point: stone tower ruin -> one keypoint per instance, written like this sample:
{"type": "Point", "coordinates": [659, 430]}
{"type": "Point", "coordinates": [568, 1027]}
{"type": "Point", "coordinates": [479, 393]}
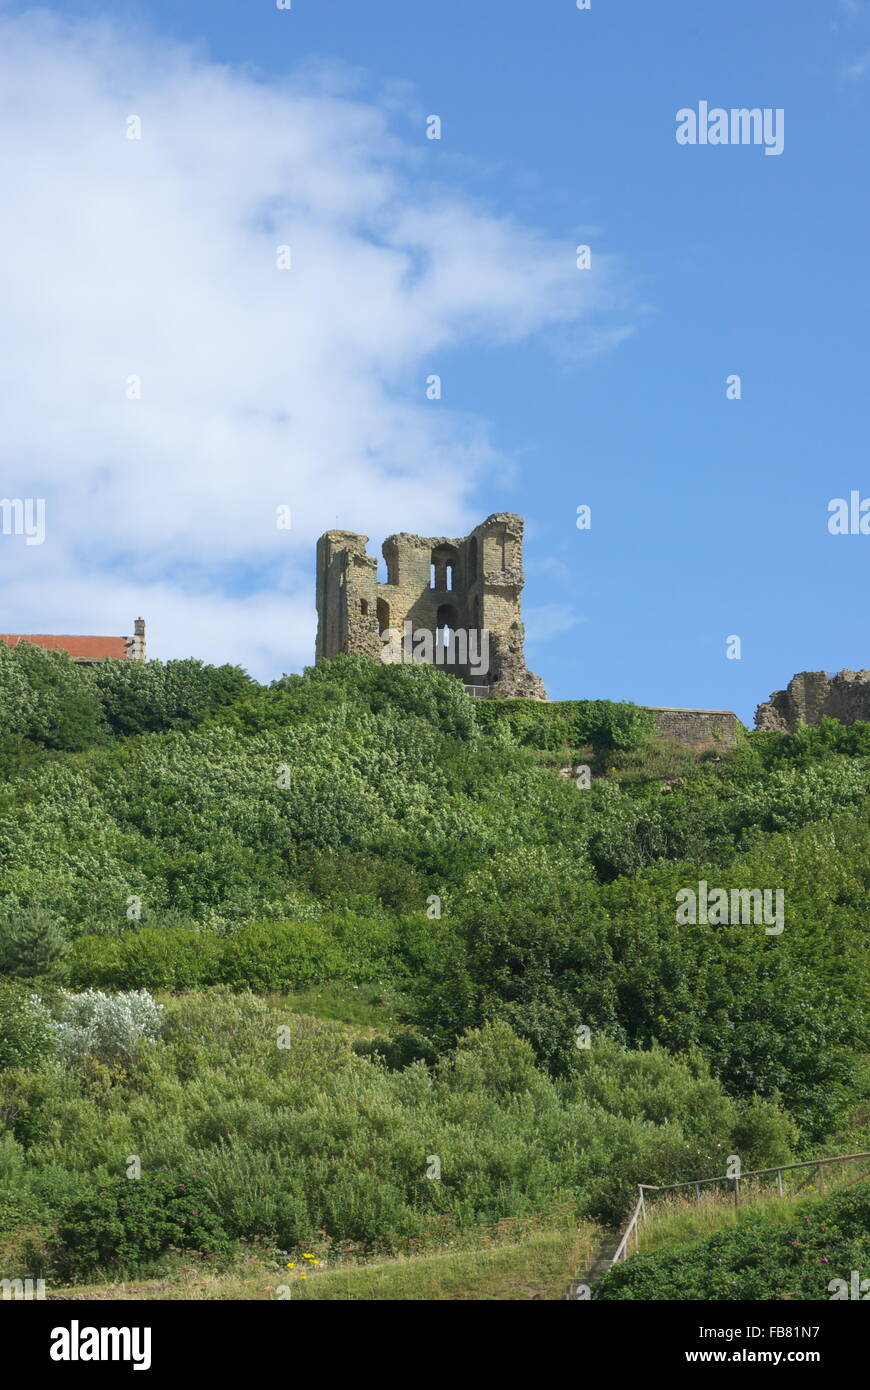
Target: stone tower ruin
{"type": "Point", "coordinates": [814, 695]}
{"type": "Point", "coordinates": [456, 599]}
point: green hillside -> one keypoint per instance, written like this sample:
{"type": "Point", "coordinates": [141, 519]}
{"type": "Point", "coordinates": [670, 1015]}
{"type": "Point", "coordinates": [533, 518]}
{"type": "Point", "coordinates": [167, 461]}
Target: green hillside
{"type": "Point", "coordinates": [380, 930]}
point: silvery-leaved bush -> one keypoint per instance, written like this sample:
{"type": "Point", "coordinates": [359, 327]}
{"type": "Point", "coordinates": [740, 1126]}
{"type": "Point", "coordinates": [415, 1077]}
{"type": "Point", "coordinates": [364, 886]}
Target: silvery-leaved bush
{"type": "Point", "coordinates": [110, 1026]}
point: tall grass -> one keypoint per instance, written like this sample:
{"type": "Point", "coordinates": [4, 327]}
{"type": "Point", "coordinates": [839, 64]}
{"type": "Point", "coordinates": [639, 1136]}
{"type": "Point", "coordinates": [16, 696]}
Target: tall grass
{"type": "Point", "coordinates": [672, 1221]}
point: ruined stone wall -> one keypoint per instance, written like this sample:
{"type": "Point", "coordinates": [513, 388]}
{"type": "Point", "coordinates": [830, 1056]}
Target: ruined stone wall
{"type": "Point", "coordinates": [698, 728]}
{"type": "Point", "coordinates": [811, 695]}
{"type": "Point", "coordinates": [346, 596]}
{"type": "Point", "coordinates": [477, 584]}
{"type": "Point", "coordinates": [500, 583]}
{"type": "Point", "coordinates": [408, 595]}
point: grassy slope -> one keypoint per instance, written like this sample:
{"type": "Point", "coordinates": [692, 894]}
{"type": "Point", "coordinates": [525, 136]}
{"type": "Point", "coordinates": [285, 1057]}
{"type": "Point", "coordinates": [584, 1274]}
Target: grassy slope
{"type": "Point", "coordinates": [711, 1249]}
{"type": "Point", "coordinates": [684, 1224]}
{"type": "Point", "coordinates": [539, 1267]}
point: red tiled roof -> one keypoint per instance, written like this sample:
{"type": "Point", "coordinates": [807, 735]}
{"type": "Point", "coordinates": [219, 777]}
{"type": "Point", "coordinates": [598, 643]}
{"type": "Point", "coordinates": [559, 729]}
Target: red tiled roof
{"type": "Point", "coordinates": [82, 648]}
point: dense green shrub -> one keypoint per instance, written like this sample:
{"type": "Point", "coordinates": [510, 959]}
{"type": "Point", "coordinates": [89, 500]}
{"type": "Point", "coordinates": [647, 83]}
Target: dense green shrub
{"type": "Point", "coordinates": [174, 959]}
{"type": "Point", "coordinates": [808, 744]}
{"type": "Point", "coordinates": [287, 1133]}
{"type": "Point", "coordinates": [19, 755]}
{"type": "Point", "coordinates": [145, 697]}
{"type": "Point", "coordinates": [110, 1027]}
{"type": "Point", "coordinates": [359, 685]}
{"type": "Point", "coordinates": [263, 956]}
{"type": "Point", "coordinates": [774, 1015]}
{"type": "Point", "coordinates": [50, 700]}
{"type": "Point", "coordinates": [130, 1221]}
{"type": "Point", "coordinates": [26, 1036]}
{"type": "Point", "coordinates": [279, 838]}
{"type": "Point", "coordinates": [569, 723]}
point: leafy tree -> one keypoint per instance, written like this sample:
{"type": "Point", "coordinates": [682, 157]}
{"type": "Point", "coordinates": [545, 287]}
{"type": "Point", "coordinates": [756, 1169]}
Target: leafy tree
{"type": "Point", "coordinates": [148, 697]}
{"type": "Point", "coordinates": [46, 697]}
{"type": "Point", "coordinates": [32, 942]}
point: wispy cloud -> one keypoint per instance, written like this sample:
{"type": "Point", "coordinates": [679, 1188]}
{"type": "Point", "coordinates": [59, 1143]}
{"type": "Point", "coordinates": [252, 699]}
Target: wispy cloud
{"type": "Point", "coordinates": [548, 620]}
{"type": "Point", "coordinates": [550, 566]}
{"type": "Point", "coordinates": [260, 387]}
{"type": "Point", "coordinates": [856, 70]}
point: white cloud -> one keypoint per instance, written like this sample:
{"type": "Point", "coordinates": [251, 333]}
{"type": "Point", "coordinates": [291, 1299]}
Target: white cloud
{"type": "Point", "coordinates": [856, 70]}
{"type": "Point", "coordinates": [547, 620]}
{"type": "Point", "coordinates": [260, 387]}
{"type": "Point", "coordinates": [550, 566]}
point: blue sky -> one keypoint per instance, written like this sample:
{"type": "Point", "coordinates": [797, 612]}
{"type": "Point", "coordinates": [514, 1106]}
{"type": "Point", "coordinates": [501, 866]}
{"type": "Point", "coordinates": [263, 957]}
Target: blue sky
{"type": "Point", "coordinates": [709, 516]}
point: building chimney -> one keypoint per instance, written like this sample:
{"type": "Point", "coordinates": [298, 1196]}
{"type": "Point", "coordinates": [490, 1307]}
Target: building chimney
{"type": "Point", "coordinates": [137, 644]}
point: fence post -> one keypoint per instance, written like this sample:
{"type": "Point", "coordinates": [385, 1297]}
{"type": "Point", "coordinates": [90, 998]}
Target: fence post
{"type": "Point", "coordinates": [821, 1172]}
{"type": "Point", "coordinates": [736, 1192]}
{"type": "Point", "coordinates": [779, 1180]}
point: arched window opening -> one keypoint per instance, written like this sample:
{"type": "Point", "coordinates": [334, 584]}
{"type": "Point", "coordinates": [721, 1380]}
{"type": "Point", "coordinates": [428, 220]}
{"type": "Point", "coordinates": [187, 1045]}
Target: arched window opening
{"type": "Point", "coordinates": [442, 568]}
{"type": "Point", "coordinates": [364, 607]}
{"type": "Point", "coordinates": [383, 611]}
{"type": "Point", "coordinates": [446, 625]}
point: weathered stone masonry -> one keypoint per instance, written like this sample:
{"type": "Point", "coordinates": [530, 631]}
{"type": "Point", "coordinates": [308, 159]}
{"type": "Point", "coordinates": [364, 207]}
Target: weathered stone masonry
{"type": "Point", "coordinates": [471, 583]}
{"type": "Point", "coordinates": [699, 728]}
{"type": "Point", "coordinates": [811, 695]}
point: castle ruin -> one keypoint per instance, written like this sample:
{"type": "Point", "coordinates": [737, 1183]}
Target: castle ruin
{"type": "Point", "coordinates": [458, 598]}
{"type": "Point", "coordinates": [439, 588]}
{"type": "Point", "coordinates": [811, 696]}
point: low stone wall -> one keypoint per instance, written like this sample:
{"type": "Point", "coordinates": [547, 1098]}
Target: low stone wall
{"type": "Point", "coordinates": [698, 728]}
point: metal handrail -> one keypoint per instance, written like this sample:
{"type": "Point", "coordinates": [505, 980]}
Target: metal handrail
{"type": "Point", "coordinates": [639, 1212]}
{"type": "Point", "coordinates": [621, 1252]}
{"type": "Point", "coordinates": [752, 1173]}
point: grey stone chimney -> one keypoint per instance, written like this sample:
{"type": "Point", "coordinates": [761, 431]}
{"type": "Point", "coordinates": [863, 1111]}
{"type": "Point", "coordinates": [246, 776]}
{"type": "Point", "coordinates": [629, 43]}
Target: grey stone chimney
{"type": "Point", "coordinates": [137, 641]}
